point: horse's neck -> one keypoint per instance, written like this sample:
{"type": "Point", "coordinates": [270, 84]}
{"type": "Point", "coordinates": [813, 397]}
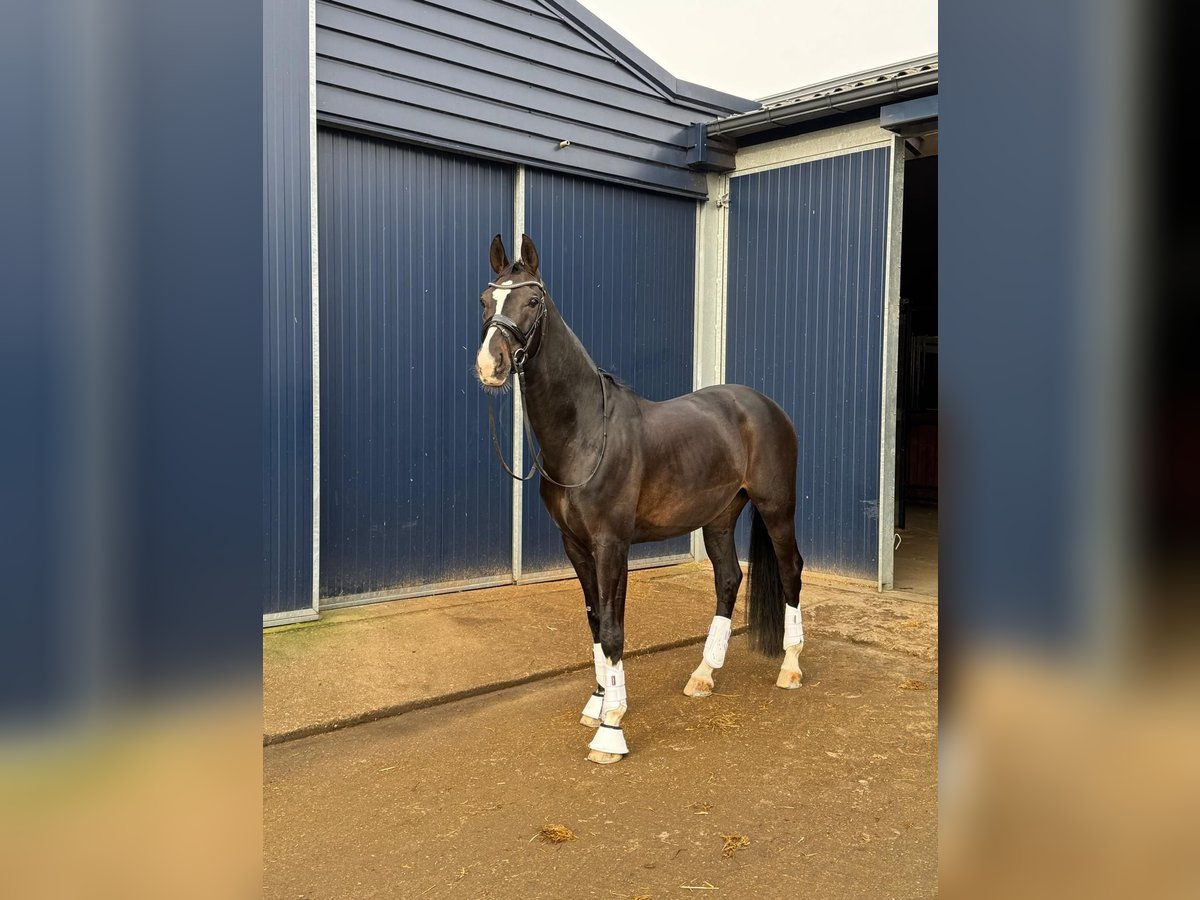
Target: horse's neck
{"type": "Point", "coordinates": [563, 398]}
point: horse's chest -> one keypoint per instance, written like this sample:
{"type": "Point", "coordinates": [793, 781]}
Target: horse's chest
{"type": "Point", "coordinates": [565, 513]}
{"type": "Point", "coordinates": [587, 513]}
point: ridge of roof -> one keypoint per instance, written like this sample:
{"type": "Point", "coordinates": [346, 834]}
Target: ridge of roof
{"type": "Point", "coordinates": [607, 37]}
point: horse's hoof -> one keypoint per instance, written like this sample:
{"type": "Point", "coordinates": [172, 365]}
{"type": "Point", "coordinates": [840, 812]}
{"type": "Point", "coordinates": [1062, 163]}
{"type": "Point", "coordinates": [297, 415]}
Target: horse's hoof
{"type": "Point", "coordinates": [789, 680]}
{"type": "Point", "coordinates": [589, 721]}
{"type": "Point", "coordinates": [602, 758]}
{"type": "Point", "coordinates": [697, 687]}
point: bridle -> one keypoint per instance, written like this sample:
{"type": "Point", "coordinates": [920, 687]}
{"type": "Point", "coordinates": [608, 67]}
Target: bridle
{"type": "Point", "coordinates": [513, 331]}
{"type": "Point", "coordinates": [520, 354]}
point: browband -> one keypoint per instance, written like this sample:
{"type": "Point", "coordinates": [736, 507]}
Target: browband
{"type": "Point", "coordinates": [509, 287]}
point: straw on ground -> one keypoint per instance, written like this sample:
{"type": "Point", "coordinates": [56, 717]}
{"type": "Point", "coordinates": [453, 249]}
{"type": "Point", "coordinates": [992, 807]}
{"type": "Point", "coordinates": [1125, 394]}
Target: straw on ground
{"type": "Point", "coordinates": [555, 834]}
{"type": "Point", "coordinates": [724, 722]}
{"type": "Point", "coordinates": [733, 843]}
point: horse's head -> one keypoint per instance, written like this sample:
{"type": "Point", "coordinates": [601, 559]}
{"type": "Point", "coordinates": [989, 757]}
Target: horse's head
{"type": "Point", "coordinates": [514, 307]}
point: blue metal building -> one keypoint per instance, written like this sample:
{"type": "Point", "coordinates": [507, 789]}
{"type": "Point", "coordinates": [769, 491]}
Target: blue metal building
{"type": "Point", "coordinates": [809, 244]}
{"type": "Point", "coordinates": [399, 136]}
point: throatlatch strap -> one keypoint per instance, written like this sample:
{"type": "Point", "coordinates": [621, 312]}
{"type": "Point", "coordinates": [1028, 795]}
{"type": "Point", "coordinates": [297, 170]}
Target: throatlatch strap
{"type": "Point", "coordinates": [718, 641]}
{"type": "Point", "coordinates": [793, 627]}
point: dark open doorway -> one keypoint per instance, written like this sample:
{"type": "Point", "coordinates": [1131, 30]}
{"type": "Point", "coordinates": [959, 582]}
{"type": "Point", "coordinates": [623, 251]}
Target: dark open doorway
{"type": "Point", "coordinates": [917, 389]}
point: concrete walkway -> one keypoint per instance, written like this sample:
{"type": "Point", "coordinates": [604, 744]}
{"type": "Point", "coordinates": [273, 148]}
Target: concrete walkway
{"type": "Point", "coordinates": [362, 664]}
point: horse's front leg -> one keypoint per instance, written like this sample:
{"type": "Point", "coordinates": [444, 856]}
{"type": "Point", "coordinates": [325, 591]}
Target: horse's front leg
{"type": "Point", "coordinates": [612, 574]}
{"type": "Point", "coordinates": [585, 568]}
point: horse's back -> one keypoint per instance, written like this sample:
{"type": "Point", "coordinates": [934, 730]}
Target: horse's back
{"type": "Point", "coordinates": [735, 404]}
{"type": "Point", "coordinates": [700, 426]}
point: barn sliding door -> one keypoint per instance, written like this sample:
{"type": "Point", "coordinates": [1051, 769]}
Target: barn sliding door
{"type": "Point", "coordinates": [410, 495]}
{"type": "Point", "coordinates": [620, 264]}
{"type": "Point", "coordinates": [807, 294]}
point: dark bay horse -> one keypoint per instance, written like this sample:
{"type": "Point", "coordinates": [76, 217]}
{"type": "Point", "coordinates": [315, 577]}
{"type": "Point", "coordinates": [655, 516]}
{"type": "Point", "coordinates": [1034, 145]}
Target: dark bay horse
{"type": "Point", "coordinates": [618, 469]}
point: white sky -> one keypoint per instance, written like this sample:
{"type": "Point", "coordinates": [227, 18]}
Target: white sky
{"type": "Point", "coordinates": [758, 47]}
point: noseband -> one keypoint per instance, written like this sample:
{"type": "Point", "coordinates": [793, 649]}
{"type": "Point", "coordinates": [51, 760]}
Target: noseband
{"type": "Point", "coordinates": [520, 352]}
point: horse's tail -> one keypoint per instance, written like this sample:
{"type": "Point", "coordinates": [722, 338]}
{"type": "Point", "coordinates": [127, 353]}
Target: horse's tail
{"type": "Point", "coordinates": [765, 591]}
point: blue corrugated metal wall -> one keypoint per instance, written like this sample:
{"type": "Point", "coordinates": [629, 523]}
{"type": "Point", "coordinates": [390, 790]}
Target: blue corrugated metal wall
{"type": "Point", "coordinates": [620, 264]}
{"type": "Point", "coordinates": [287, 311]}
{"type": "Point", "coordinates": [805, 306]}
{"type": "Point", "coordinates": [410, 492]}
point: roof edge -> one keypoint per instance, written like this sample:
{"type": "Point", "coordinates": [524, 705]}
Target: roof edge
{"type": "Point", "coordinates": [841, 81]}
{"type": "Point", "coordinates": [613, 41]}
{"type": "Point", "coordinates": [872, 87]}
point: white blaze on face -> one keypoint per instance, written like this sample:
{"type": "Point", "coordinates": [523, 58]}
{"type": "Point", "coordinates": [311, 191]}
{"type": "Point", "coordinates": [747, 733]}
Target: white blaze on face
{"type": "Point", "coordinates": [485, 362]}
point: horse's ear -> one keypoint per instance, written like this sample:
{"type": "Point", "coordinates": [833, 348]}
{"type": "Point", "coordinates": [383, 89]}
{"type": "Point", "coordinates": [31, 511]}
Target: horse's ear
{"type": "Point", "coordinates": [497, 255]}
{"type": "Point", "coordinates": [529, 255]}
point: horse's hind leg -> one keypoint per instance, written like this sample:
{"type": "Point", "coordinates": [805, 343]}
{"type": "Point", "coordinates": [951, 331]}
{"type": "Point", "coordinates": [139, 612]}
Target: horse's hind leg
{"type": "Point", "coordinates": [780, 520]}
{"type": "Point", "coordinates": [727, 574]}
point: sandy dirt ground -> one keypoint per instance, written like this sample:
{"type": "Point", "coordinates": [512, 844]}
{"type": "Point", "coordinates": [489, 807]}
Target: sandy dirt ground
{"type": "Point", "coordinates": [828, 791]}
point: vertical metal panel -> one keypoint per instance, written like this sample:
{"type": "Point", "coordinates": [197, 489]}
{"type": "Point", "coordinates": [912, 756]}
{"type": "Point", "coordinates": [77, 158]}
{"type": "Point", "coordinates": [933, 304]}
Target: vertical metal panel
{"type": "Point", "coordinates": [805, 308]}
{"type": "Point", "coordinates": [410, 493]}
{"type": "Point", "coordinates": [620, 264]}
{"type": "Point", "coordinates": [890, 368]}
{"type": "Point", "coordinates": [287, 298]}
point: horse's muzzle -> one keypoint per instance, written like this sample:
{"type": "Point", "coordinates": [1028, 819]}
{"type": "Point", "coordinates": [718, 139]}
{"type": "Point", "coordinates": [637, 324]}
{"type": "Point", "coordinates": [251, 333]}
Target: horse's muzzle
{"type": "Point", "coordinates": [493, 364]}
